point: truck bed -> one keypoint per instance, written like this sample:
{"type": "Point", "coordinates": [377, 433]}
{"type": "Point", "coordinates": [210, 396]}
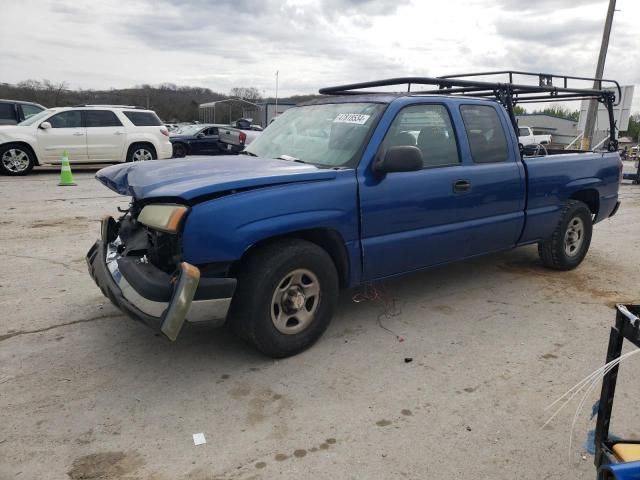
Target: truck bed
{"type": "Point", "coordinates": [552, 180]}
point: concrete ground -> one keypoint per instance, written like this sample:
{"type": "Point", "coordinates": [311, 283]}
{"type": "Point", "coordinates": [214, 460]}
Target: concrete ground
{"type": "Point", "coordinates": [87, 393]}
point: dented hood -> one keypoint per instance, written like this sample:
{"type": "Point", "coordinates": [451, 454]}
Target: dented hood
{"type": "Point", "coordinates": [192, 178]}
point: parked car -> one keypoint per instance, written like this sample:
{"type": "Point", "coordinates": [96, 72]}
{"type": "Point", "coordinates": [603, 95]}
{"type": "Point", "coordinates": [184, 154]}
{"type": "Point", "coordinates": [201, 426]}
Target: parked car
{"type": "Point", "coordinates": [339, 193]}
{"type": "Point", "coordinates": [89, 134]}
{"type": "Point", "coordinates": [13, 112]}
{"type": "Point", "coordinates": [200, 139]}
{"type": "Point", "coordinates": [235, 137]}
{"type": "Point", "coordinates": [527, 137]}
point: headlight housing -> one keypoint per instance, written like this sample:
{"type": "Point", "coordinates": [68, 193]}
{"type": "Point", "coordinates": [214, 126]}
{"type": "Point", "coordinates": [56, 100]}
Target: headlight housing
{"type": "Point", "coordinates": [163, 217]}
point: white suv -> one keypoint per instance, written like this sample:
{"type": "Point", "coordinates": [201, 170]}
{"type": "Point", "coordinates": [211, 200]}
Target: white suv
{"type": "Point", "coordinates": [89, 134]}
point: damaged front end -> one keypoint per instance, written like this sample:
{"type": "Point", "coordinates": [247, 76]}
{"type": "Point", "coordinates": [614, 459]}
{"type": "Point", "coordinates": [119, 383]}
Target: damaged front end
{"type": "Point", "coordinates": [138, 265]}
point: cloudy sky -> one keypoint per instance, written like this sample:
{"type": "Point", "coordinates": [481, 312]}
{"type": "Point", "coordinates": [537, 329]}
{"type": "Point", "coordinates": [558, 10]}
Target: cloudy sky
{"type": "Point", "coordinates": [222, 44]}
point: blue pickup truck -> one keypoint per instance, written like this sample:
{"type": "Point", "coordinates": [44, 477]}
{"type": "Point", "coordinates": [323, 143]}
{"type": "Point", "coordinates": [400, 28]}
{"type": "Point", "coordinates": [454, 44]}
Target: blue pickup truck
{"type": "Point", "coordinates": [345, 190]}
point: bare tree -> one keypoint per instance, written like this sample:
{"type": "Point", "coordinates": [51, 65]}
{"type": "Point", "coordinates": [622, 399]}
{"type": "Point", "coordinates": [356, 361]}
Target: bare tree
{"type": "Point", "coordinates": [251, 94]}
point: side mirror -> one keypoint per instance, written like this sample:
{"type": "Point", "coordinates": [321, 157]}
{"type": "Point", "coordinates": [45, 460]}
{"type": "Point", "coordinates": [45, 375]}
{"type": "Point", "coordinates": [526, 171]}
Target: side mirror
{"type": "Point", "coordinates": [200, 135]}
{"type": "Point", "coordinates": [45, 126]}
{"type": "Point", "coordinates": [401, 158]}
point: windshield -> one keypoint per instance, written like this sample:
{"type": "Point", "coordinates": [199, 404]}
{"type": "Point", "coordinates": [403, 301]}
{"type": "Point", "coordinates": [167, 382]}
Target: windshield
{"type": "Point", "coordinates": [187, 130]}
{"type": "Point", "coordinates": [36, 118]}
{"type": "Point", "coordinates": [324, 135]}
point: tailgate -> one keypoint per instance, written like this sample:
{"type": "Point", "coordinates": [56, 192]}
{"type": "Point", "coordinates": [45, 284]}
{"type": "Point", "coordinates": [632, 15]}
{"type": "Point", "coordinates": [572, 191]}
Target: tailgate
{"type": "Point", "coordinates": [229, 135]}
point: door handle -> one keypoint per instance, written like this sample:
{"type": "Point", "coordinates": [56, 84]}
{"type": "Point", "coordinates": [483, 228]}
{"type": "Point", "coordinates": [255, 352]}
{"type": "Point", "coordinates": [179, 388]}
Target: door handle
{"type": "Point", "coordinates": [119, 133]}
{"type": "Point", "coordinates": [78, 134]}
{"type": "Point", "coordinates": [461, 186]}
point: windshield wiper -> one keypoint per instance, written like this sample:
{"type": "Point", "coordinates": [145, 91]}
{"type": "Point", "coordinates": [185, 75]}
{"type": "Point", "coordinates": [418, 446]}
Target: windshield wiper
{"type": "Point", "coordinates": [289, 158]}
{"type": "Point", "coordinates": [251, 154]}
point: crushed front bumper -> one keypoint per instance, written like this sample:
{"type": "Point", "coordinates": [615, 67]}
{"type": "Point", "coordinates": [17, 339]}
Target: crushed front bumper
{"type": "Point", "coordinates": [150, 296]}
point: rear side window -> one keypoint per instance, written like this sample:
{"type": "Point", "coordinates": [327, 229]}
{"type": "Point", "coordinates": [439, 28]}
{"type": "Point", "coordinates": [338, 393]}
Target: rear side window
{"type": "Point", "coordinates": [429, 128]}
{"type": "Point", "coordinates": [486, 136]}
{"type": "Point", "coordinates": [143, 119]}
{"type": "Point", "coordinates": [211, 131]}
{"type": "Point", "coordinates": [7, 111]}
{"type": "Point", "coordinates": [101, 118]}
{"type": "Point", "coordinates": [68, 119]}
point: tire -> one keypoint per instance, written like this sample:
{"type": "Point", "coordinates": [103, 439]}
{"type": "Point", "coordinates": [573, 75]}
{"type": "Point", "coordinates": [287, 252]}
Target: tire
{"type": "Point", "coordinates": [16, 160]}
{"type": "Point", "coordinates": [274, 306]}
{"type": "Point", "coordinates": [139, 152]}
{"type": "Point", "coordinates": [179, 150]}
{"type": "Point", "coordinates": [569, 243]}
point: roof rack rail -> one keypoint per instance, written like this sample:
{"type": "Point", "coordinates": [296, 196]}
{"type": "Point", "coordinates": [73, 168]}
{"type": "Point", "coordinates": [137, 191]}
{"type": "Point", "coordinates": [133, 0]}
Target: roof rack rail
{"type": "Point", "coordinates": [110, 106]}
{"type": "Point", "coordinates": [506, 92]}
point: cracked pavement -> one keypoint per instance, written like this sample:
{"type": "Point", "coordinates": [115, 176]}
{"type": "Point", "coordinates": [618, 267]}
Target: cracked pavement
{"type": "Point", "coordinates": [87, 393]}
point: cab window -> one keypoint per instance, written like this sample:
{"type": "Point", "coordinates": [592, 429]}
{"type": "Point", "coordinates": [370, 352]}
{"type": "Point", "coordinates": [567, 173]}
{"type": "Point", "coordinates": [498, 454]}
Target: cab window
{"type": "Point", "coordinates": [429, 128]}
{"type": "Point", "coordinates": [487, 139]}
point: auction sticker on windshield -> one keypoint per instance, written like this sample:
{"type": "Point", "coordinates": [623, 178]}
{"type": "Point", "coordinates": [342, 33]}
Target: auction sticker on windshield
{"type": "Point", "coordinates": [357, 118]}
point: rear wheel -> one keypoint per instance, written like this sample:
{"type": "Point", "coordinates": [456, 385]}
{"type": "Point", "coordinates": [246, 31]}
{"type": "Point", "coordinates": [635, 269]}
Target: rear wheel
{"type": "Point", "coordinates": [16, 160]}
{"type": "Point", "coordinates": [569, 243]}
{"type": "Point", "coordinates": [141, 152]}
{"type": "Point", "coordinates": [179, 150]}
{"type": "Point", "coordinates": [286, 296]}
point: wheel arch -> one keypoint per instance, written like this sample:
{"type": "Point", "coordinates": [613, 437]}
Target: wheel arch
{"type": "Point", "coordinates": [590, 197]}
{"type": "Point", "coordinates": [183, 144]}
{"type": "Point", "coordinates": [146, 143]}
{"type": "Point", "coordinates": [328, 239]}
{"type": "Point", "coordinates": [26, 145]}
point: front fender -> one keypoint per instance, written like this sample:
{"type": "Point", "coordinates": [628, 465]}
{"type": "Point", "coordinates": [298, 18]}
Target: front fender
{"type": "Point", "coordinates": [223, 229]}
{"type": "Point", "coordinates": [21, 138]}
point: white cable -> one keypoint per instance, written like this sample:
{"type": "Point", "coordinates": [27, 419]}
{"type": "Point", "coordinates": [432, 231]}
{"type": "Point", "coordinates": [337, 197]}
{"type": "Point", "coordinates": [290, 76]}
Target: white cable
{"type": "Point", "coordinates": [592, 377]}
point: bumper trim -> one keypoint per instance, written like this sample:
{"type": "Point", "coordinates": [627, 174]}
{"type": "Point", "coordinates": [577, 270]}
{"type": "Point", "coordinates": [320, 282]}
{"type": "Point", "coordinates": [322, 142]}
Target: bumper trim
{"type": "Point", "coordinates": [150, 307]}
{"type": "Point", "coordinates": [167, 317]}
{"type": "Point", "coordinates": [207, 310]}
{"type": "Point", "coordinates": [181, 300]}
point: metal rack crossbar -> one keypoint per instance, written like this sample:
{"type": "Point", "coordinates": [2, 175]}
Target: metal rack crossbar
{"type": "Point", "coordinates": [507, 93]}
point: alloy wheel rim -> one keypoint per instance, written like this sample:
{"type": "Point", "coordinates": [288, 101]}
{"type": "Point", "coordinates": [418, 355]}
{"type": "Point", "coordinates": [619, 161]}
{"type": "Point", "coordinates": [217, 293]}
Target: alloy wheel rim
{"type": "Point", "coordinates": [15, 160]}
{"type": "Point", "coordinates": [574, 237]}
{"type": "Point", "coordinates": [142, 155]}
{"type": "Point", "coordinates": [295, 301]}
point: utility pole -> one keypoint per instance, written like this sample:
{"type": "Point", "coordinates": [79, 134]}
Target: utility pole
{"type": "Point", "coordinates": [592, 111]}
{"type": "Point", "coordinates": [277, 74]}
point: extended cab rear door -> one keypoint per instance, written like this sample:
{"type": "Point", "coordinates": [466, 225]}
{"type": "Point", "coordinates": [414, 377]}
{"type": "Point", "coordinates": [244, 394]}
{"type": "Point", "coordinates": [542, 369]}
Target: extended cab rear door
{"type": "Point", "coordinates": [496, 176]}
{"type": "Point", "coordinates": [451, 209]}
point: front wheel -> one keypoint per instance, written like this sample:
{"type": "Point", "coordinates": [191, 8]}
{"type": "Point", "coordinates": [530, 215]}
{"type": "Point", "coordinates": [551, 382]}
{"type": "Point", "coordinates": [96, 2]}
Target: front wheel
{"type": "Point", "coordinates": [569, 243]}
{"type": "Point", "coordinates": [286, 295]}
{"type": "Point", "coordinates": [16, 160]}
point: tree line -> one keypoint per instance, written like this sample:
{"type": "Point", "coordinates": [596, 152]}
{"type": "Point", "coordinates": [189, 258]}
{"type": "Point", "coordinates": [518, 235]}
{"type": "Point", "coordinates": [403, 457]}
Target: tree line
{"type": "Point", "coordinates": [172, 103]}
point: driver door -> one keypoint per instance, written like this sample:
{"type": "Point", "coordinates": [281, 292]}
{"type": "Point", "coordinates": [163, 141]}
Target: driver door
{"type": "Point", "coordinates": [206, 142]}
{"type": "Point", "coordinates": [67, 133]}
